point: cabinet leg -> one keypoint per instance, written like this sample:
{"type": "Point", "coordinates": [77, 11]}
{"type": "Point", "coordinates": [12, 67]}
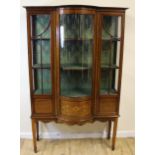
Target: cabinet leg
{"type": "Point", "coordinates": [34, 130]}
{"type": "Point", "coordinates": [114, 133]}
{"type": "Point", "coordinates": [37, 124]}
{"type": "Point", "coordinates": [109, 130]}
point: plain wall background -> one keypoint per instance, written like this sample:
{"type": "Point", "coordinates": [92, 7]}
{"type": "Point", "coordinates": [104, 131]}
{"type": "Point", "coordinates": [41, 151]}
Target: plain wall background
{"type": "Point", "coordinates": [127, 111]}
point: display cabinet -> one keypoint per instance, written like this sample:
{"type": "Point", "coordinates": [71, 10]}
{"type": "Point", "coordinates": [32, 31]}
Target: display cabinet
{"type": "Point", "coordinates": [75, 65]}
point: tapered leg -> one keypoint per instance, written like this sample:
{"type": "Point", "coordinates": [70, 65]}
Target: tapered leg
{"type": "Point", "coordinates": [37, 124]}
{"type": "Point", "coordinates": [114, 133]}
{"type": "Point", "coordinates": [109, 130]}
{"type": "Point", "coordinates": [34, 130]}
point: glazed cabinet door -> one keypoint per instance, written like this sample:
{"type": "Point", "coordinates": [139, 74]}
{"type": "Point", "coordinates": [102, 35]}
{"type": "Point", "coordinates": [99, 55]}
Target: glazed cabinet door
{"type": "Point", "coordinates": [41, 61]}
{"type": "Point", "coordinates": [110, 62]}
{"type": "Point", "coordinates": [76, 48]}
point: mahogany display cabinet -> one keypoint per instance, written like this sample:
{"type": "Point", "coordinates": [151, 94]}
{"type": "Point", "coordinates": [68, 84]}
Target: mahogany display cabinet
{"type": "Point", "coordinates": [75, 65]}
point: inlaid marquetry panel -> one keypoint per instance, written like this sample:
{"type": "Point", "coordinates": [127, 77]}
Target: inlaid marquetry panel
{"type": "Point", "coordinates": [76, 108]}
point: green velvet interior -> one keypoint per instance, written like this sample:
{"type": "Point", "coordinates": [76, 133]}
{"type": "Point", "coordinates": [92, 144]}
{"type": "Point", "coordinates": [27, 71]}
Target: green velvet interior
{"type": "Point", "coordinates": [76, 53]}
{"type": "Point", "coordinates": [41, 52]}
{"type": "Point", "coordinates": [110, 27]}
{"type": "Point", "coordinates": [39, 25]}
{"type": "Point", "coordinates": [77, 26]}
{"type": "Point", "coordinates": [42, 81]}
{"type": "Point", "coordinates": [76, 83]}
{"type": "Point", "coordinates": [106, 58]}
{"type": "Point", "coordinates": [107, 83]}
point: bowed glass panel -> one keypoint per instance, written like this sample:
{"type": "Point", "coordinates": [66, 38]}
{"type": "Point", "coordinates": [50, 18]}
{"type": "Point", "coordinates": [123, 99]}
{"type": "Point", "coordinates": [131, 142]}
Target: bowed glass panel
{"type": "Point", "coordinates": [76, 48]}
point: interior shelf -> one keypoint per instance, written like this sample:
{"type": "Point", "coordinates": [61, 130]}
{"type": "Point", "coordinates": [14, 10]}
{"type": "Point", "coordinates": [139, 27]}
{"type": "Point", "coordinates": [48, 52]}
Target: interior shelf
{"type": "Point", "coordinates": [75, 67]}
{"type": "Point", "coordinates": [109, 67]}
{"type": "Point", "coordinates": [35, 38]}
{"type": "Point", "coordinates": [41, 66]}
{"type": "Point", "coordinates": [78, 39]}
{"type": "Point", "coordinates": [111, 39]}
{"type": "Point", "coordinates": [42, 91]}
{"type": "Point", "coordinates": [106, 92]}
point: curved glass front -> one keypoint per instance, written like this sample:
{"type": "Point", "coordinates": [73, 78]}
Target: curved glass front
{"type": "Point", "coordinates": [76, 48]}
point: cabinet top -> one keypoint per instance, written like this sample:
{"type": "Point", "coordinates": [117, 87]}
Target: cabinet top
{"type": "Point", "coordinates": [76, 6]}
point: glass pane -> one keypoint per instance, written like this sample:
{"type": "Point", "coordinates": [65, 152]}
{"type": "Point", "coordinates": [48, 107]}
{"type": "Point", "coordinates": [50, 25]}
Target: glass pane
{"type": "Point", "coordinates": [104, 84]}
{"type": "Point", "coordinates": [109, 81]}
{"type": "Point", "coordinates": [41, 53]}
{"type": "Point", "coordinates": [111, 27]}
{"type": "Point", "coordinates": [40, 26]}
{"type": "Point", "coordinates": [76, 45]}
{"type": "Point", "coordinates": [75, 26]}
{"type": "Point", "coordinates": [114, 83]}
{"type": "Point", "coordinates": [110, 52]}
{"type": "Point", "coordinates": [42, 81]}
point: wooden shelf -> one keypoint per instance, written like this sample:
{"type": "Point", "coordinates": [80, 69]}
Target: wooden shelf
{"type": "Point", "coordinates": [78, 39]}
{"type": "Point", "coordinates": [40, 91]}
{"type": "Point", "coordinates": [105, 92]}
{"type": "Point", "coordinates": [43, 66]}
{"type": "Point", "coordinates": [75, 67]}
{"type": "Point", "coordinates": [109, 67]}
{"type": "Point", "coordinates": [111, 39]}
{"type": "Point", "coordinates": [34, 38]}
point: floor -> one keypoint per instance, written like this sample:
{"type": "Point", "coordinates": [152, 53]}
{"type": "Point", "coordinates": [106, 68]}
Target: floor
{"type": "Point", "coordinates": [124, 146]}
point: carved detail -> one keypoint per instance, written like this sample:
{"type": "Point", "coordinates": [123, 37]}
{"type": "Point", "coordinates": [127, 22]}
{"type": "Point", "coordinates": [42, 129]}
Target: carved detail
{"type": "Point", "coordinates": [76, 109]}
